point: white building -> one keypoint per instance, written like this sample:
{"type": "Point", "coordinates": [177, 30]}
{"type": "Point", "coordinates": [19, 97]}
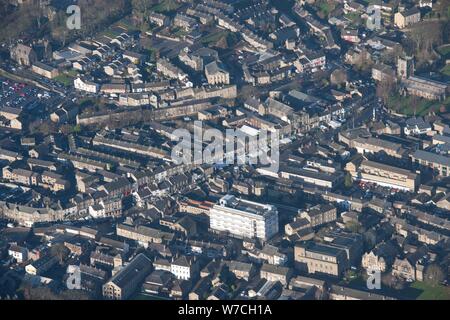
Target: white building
{"type": "Point", "coordinates": [184, 268]}
{"type": "Point", "coordinates": [426, 3]}
{"type": "Point", "coordinates": [244, 219]}
{"type": "Point", "coordinates": [20, 254]}
{"type": "Point", "coordinates": [97, 210]}
{"type": "Point", "coordinates": [417, 126]}
{"type": "Point", "coordinates": [87, 86]}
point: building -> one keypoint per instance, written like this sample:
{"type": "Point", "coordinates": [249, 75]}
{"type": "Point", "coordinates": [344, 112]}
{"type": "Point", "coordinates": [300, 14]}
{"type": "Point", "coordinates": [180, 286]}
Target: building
{"type": "Point", "coordinates": [216, 74]}
{"type": "Point", "coordinates": [383, 174]}
{"type": "Point", "coordinates": [439, 163]}
{"type": "Point", "coordinates": [417, 126]}
{"type": "Point", "coordinates": [133, 57]}
{"type": "Point", "coordinates": [316, 177]}
{"type": "Point", "coordinates": [183, 21]}
{"type": "Point", "coordinates": [41, 265]}
{"type": "Point", "coordinates": [84, 85]}
{"type": "Point", "coordinates": [125, 282]}
{"type": "Point", "coordinates": [143, 234]}
{"type": "Point", "coordinates": [23, 55]}
{"type": "Point", "coordinates": [406, 18]}
{"type": "Point", "coordinates": [240, 269]}
{"type": "Point", "coordinates": [185, 267]}
{"type": "Point", "coordinates": [408, 268]}
{"type": "Point", "coordinates": [405, 67]}
{"type": "Point", "coordinates": [158, 19]}
{"type": "Point", "coordinates": [54, 181]}
{"type": "Point", "coordinates": [382, 72]}
{"type": "Point", "coordinates": [375, 145]}
{"type": "Point", "coordinates": [244, 219]}
{"type": "Point", "coordinates": [350, 35]}
{"type": "Point", "coordinates": [27, 215]}
{"type": "Point", "coordinates": [272, 255]}
{"type": "Point", "coordinates": [379, 258]}
{"type": "Point", "coordinates": [276, 273]}
{"type": "Point", "coordinates": [313, 257]}
{"type": "Point", "coordinates": [320, 214]}
{"type": "Point", "coordinates": [199, 58]}
{"type": "Point", "coordinates": [344, 293]}
{"type": "Point", "coordinates": [20, 254]}
{"type": "Point", "coordinates": [21, 176]}
{"type": "Point", "coordinates": [425, 88]}
{"type": "Point", "coordinates": [45, 70]}
{"type": "Point", "coordinates": [351, 243]}
{"type": "Point", "coordinates": [169, 70]}
{"type": "Point", "coordinates": [10, 117]}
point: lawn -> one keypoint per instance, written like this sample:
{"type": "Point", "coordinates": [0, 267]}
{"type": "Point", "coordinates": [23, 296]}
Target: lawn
{"type": "Point", "coordinates": [127, 24]}
{"type": "Point", "coordinates": [72, 73]}
{"type": "Point", "coordinates": [108, 33]}
{"type": "Point", "coordinates": [446, 70]}
{"type": "Point", "coordinates": [444, 51]}
{"type": "Point", "coordinates": [324, 7]}
{"type": "Point", "coordinates": [166, 6]}
{"type": "Point", "coordinates": [414, 105]}
{"type": "Point", "coordinates": [64, 79]}
{"type": "Point", "coordinates": [213, 37]}
{"type": "Point", "coordinates": [430, 292]}
{"type": "Point", "coordinates": [354, 17]}
{"type": "Point", "coordinates": [179, 32]}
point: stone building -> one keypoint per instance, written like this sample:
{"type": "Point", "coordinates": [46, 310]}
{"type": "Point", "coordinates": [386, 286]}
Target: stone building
{"type": "Point", "coordinates": [125, 282]}
{"type": "Point", "coordinates": [216, 74]}
{"type": "Point", "coordinates": [406, 18]}
{"type": "Point", "coordinates": [23, 55]}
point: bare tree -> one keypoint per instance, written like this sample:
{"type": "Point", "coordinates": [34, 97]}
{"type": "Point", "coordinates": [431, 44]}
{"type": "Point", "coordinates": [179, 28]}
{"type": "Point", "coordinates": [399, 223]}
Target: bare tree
{"type": "Point", "coordinates": [434, 275]}
{"type": "Point", "coordinates": [385, 88]}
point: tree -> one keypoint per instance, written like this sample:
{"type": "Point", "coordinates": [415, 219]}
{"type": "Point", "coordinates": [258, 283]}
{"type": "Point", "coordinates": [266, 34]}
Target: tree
{"type": "Point", "coordinates": [386, 88]}
{"type": "Point", "coordinates": [434, 275]}
{"type": "Point", "coordinates": [348, 181]}
{"type": "Point", "coordinates": [426, 36]}
{"type": "Point", "coordinates": [390, 281]}
{"type": "Point", "coordinates": [363, 62]}
{"type": "Point", "coordinates": [354, 226]}
{"type": "Point", "coordinates": [59, 251]}
{"type": "Point", "coordinates": [39, 293]}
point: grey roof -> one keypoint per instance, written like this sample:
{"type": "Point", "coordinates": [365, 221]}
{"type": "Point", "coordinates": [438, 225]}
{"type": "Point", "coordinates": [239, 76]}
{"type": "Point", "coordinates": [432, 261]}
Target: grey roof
{"type": "Point", "coordinates": [322, 248]}
{"type": "Point", "coordinates": [138, 265]}
{"type": "Point", "coordinates": [358, 294]}
{"type": "Point", "coordinates": [410, 12]}
{"type": "Point", "coordinates": [270, 268]}
{"type": "Point", "coordinates": [431, 157]}
{"type": "Point", "coordinates": [238, 266]}
{"type": "Point", "coordinates": [214, 67]}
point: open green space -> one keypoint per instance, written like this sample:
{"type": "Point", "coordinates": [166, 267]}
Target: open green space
{"type": "Point", "coordinates": [423, 291]}
{"type": "Point", "coordinates": [166, 6]}
{"type": "Point", "coordinates": [446, 70]}
{"type": "Point", "coordinates": [64, 79]}
{"type": "Point", "coordinates": [214, 37]}
{"type": "Point", "coordinates": [416, 106]}
{"type": "Point", "coordinates": [444, 51]}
